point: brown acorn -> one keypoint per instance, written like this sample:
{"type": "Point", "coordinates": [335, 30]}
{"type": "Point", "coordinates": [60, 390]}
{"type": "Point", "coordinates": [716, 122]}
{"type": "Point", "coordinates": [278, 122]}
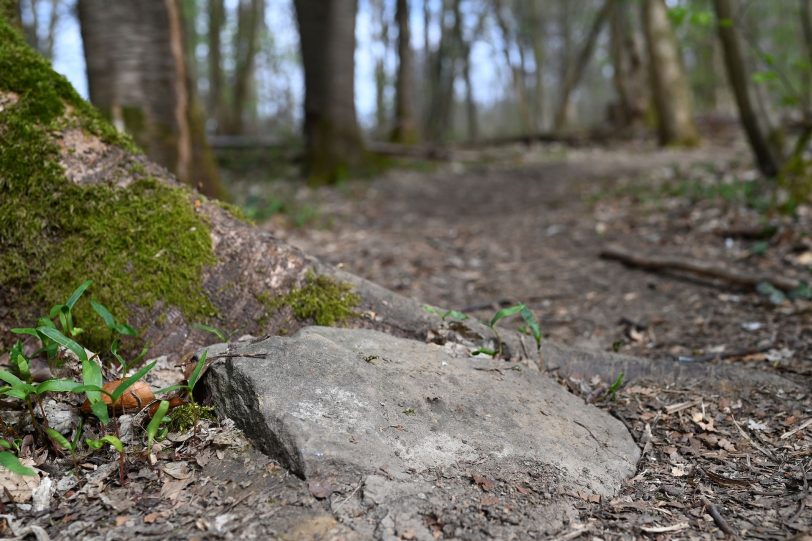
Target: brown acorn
{"type": "Point", "coordinates": [134, 399]}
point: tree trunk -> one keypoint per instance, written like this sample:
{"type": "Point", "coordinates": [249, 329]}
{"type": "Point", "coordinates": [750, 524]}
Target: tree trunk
{"type": "Point", "coordinates": [137, 77]}
{"type": "Point", "coordinates": [628, 77]}
{"type": "Point", "coordinates": [766, 157]}
{"type": "Point", "coordinates": [573, 76]}
{"type": "Point", "coordinates": [332, 138]}
{"type": "Point", "coordinates": [216, 101]}
{"type": "Point", "coordinates": [670, 89]}
{"type": "Point", "coordinates": [517, 73]}
{"type": "Point", "coordinates": [405, 130]}
{"type": "Point", "coordinates": [249, 23]}
{"type": "Point", "coordinates": [806, 26]}
{"type": "Point", "coordinates": [537, 37]}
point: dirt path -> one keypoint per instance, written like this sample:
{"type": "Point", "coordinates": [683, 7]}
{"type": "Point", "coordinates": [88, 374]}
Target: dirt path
{"type": "Point", "coordinates": [469, 240]}
{"type": "Point", "coordinates": [483, 237]}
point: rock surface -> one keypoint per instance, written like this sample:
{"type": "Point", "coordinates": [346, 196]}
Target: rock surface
{"type": "Point", "coordinates": [392, 432]}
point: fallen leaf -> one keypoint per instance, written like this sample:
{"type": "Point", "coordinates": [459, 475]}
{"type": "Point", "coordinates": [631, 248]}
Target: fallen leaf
{"type": "Point", "coordinates": [19, 488]}
{"type": "Point", "coordinates": [678, 471]}
{"type": "Point", "coordinates": [483, 482]}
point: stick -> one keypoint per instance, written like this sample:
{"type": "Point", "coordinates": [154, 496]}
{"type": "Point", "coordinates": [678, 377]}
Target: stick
{"type": "Point", "coordinates": [724, 354]}
{"type": "Point", "coordinates": [718, 518]}
{"type": "Point", "coordinates": [700, 268]}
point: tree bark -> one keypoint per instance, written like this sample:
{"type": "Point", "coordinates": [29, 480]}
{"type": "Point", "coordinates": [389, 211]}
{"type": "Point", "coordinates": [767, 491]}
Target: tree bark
{"type": "Point", "coordinates": [137, 77]}
{"type": "Point", "coordinates": [672, 94]}
{"type": "Point", "coordinates": [573, 76]}
{"type": "Point", "coordinates": [332, 138]}
{"type": "Point", "coordinates": [766, 157]}
{"type": "Point", "coordinates": [405, 129]}
{"type": "Point", "coordinates": [517, 72]}
{"type": "Point", "coordinates": [806, 26]}
{"type": "Point", "coordinates": [628, 77]}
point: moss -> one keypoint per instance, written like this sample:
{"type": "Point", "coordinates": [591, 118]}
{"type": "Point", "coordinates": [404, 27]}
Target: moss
{"type": "Point", "coordinates": [186, 416]}
{"type": "Point", "coordinates": [320, 299]}
{"type": "Point", "coordinates": [141, 244]}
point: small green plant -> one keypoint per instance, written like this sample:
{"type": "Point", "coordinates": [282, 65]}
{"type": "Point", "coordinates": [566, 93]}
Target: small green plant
{"type": "Point", "coordinates": [530, 327]}
{"type": "Point", "coordinates": [154, 426]}
{"type": "Point", "coordinates": [614, 388]}
{"type": "Point", "coordinates": [10, 461]}
{"type": "Point", "coordinates": [116, 444]}
{"type": "Point", "coordinates": [212, 330]}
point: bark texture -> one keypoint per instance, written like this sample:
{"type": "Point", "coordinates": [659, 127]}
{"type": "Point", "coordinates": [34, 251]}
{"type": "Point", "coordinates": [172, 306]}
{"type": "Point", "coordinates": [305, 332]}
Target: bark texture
{"type": "Point", "coordinates": [673, 102]}
{"type": "Point", "coordinates": [333, 141]}
{"type": "Point", "coordinates": [137, 76]}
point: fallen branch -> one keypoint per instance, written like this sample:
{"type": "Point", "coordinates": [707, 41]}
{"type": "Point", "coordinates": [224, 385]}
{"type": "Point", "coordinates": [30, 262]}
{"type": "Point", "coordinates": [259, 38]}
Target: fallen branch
{"type": "Point", "coordinates": [699, 268]}
{"type": "Point", "coordinates": [720, 521]}
{"type": "Point", "coordinates": [732, 354]}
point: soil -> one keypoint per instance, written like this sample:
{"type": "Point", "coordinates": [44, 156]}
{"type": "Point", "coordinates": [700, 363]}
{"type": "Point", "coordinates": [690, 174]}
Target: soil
{"type": "Point", "coordinates": [529, 227]}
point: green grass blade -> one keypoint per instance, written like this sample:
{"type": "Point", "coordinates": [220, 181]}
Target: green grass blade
{"type": "Point", "coordinates": [64, 341]}
{"type": "Point", "coordinates": [130, 381]}
{"type": "Point", "coordinates": [506, 312]}
{"type": "Point", "coordinates": [74, 297]}
{"type": "Point", "coordinates": [155, 423]}
{"type": "Point", "coordinates": [105, 314]}
{"type": "Point", "coordinates": [13, 464]}
{"type": "Point", "coordinates": [196, 372]}
{"type": "Point", "coordinates": [213, 330]}
{"type": "Point", "coordinates": [59, 438]}
{"type": "Point", "coordinates": [57, 386]}
{"type": "Point", "coordinates": [531, 322]}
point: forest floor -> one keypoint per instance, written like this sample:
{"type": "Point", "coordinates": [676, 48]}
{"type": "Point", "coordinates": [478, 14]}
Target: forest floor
{"type": "Point", "coordinates": [481, 237]}
{"type": "Point", "coordinates": [530, 227]}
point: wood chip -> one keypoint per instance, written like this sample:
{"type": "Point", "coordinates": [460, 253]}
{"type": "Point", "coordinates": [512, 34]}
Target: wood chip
{"type": "Point", "coordinates": [665, 529]}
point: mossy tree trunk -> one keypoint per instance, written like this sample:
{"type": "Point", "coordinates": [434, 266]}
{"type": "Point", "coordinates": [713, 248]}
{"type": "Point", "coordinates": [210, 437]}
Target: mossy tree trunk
{"type": "Point", "coordinates": [137, 75]}
{"type": "Point", "coordinates": [673, 101]}
{"type": "Point", "coordinates": [333, 143]}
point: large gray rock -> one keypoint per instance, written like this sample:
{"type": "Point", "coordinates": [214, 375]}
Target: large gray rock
{"type": "Point", "coordinates": [423, 429]}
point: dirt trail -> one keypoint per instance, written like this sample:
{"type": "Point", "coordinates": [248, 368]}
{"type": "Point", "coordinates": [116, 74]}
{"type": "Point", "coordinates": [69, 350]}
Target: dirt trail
{"type": "Point", "coordinates": [530, 233]}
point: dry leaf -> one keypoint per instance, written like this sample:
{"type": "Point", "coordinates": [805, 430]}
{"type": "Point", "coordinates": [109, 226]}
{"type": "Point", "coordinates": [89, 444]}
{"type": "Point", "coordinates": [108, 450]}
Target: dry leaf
{"type": "Point", "coordinates": [18, 487]}
{"type": "Point", "coordinates": [483, 482]}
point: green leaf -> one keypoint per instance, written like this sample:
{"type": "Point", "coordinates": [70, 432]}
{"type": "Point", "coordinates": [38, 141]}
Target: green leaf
{"type": "Point", "coordinates": [57, 386]}
{"type": "Point", "coordinates": [125, 329]}
{"type": "Point", "coordinates": [775, 295]}
{"type": "Point", "coordinates": [78, 293]}
{"type": "Point", "coordinates": [455, 314]}
{"type": "Point", "coordinates": [59, 438]}
{"type": "Point", "coordinates": [530, 319]}
{"type": "Point", "coordinates": [15, 392]}
{"type": "Point", "coordinates": [12, 464]}
{"type": "Point", "coordinates": [64, 341]}
{"type": "Point", "coordinates": [5, 444]}
{"type": "Point", "coordinates": [105, 314]}
{"type": "Point", "coordinates": [130, 381]}
{"type": "Point", "coordinates": [20, 361]}
{"type": "Point", "coordinates": [803, 291]}
{"type": "Point", "coordinates": [506, 312]}
{"type": "Point", "coordinates": [99, 409]}
{"type": "Point", "coordinates": [484, 351]}
{"type": "Point", "coordinates": [171, 388]}
{"type": "Point", "coordinates": [213, 330]}
{"type": "Point", "coordinates": [109, 439]}
{"type": "Point", "coordinates": [615, 386]}
{"type": "Point", "coordinates": [27, 330]}
{"type": "Point", "coordinates": [11, 379]}
{"type": "Point", "coordinates": [196, 372]}
{"type": "Point", "coordinates": [155, 423]}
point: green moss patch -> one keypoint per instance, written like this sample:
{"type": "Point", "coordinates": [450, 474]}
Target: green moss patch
{"type": "Point", "coordinates": [186, 416]}
{"type": "Point", "coordinates": [140, 245]}
{"type": "Point", "coordinates": [320, 299]}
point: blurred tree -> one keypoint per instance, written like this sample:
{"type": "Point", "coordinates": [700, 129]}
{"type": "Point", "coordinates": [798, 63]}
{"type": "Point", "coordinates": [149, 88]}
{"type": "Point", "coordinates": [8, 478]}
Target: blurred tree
{"type": "Point", "coordinates": [575, 71]}
{"type": "Point", "coordinates": [405, 129]}
{"type": "Point", "coordinates": [332, 138]}
{"type": "Point", "coordinates": [39, 34]}
{"type": "Point", "coordinates": [628, 76]}
{"type": "Point", "coordinates": [137, 76]}
{"type": "Point", "coordinates": [767, 157]}
{"type": "Point", "coordinates": [249, 24]}
{"type": "Point", "coordinates": [673, 101]}
{"type": "Point", "coordinates": [216, 11]}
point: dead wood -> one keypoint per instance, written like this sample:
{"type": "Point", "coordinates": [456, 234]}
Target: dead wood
{"type": "Point", "coordinates": [699, 268]}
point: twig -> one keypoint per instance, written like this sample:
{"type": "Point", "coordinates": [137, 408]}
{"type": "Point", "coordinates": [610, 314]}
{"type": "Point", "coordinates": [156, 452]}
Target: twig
{"type": "Point", "coordinates": [798, 428]}
{"type": "Point", "coordinates": [348, 498]}
{"type": "Point", "coordinates": [718, 518]}
{"type": "Point", "coordinates": [724, 354]}
{"type": "Point", "coordinates": [700, 268]}
{"type": "Point", "coordinates": [764, 451]}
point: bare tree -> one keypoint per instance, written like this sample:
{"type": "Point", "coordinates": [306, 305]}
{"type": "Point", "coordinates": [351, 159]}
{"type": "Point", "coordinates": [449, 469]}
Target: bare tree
{"type": "Point", "coordinates": [405, 129]}
{"type": "Point", "coordinates": [216, 101]}
{"type": "Point", "coordinates": [332, 137]}
{"type": "Point", "coordinates": [576, 71]}
{"type": "Point", "coordinates": [672, 94]}
{"type": "Point", "coordinates": [137, 76]}
{"type": "Point", "coordinates": [249, 24]}
{"type": "Point", "coordinates": [628, 75]}
{"type": "Point", "coordinates": [766, 157]}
